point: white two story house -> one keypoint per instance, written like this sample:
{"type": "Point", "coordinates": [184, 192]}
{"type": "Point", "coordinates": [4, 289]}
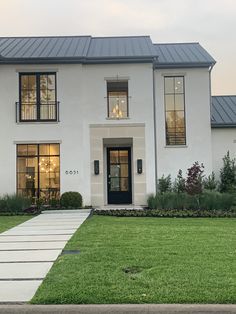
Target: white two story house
{"type": "Point", "coordinates": [106, 116]}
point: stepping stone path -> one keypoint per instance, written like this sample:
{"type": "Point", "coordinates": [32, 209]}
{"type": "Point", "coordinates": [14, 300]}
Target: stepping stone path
{"type": "Point", "coordinates": [28, 251]}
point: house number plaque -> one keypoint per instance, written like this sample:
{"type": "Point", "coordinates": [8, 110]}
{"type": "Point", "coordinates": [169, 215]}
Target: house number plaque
{"type": "Point", "coordinates": [71, 172]}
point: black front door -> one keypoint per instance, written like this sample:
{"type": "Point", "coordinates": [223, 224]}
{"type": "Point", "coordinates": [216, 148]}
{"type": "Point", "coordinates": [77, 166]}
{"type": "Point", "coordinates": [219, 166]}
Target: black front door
{"type": "Point", "coordinates": [119, 187]}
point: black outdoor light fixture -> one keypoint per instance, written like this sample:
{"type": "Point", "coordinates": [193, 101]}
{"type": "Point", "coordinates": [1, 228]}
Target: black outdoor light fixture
{"type": "Point", "coordinates": [139, 166]}
{"type": "Point", "coordinates": [96, 167]}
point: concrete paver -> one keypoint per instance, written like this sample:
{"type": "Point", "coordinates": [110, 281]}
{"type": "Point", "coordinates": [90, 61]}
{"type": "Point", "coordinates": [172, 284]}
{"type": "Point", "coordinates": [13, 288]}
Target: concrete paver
{"type": "Point", "coordinates": [35, 238]}
{"type": "Point", "coordinates": [28, 250]}
{"type": "Point", "coordinates": [18, 291]}
{"type": "Point", "coordinates": [13, 246]}
{"type": "Point", "coordinates": [24, 270]}
{"type": "Point", "coordinates": [39, 231]}
{"type": "Point", "coordinates": [29, 256]}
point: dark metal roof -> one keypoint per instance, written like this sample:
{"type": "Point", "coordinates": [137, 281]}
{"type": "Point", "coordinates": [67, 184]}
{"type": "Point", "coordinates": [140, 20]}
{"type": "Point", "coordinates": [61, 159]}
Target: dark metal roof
{"type": "Point", "coordinates": [87, 49]}
{"type": "Point", "coordinates": [223, 111]}
{"type": "Point", "coordinates": [179, 54]}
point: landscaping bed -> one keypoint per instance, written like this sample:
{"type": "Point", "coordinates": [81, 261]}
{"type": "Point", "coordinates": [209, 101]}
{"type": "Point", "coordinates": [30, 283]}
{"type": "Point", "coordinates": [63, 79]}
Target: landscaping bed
{"type": "Point", "coordinates": [145, 260]}
{"type": "Point", "coordinates": [168, 213]}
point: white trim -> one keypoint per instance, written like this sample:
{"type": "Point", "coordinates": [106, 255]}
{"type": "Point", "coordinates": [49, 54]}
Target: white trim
{"type": "Point", "coordinates": [107, 125]}
{"type": "Point", "coordinates": [35, 70]}
{"type": "Point", "coordinates": [38, 142]}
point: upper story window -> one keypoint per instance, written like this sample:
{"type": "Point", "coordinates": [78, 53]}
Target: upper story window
{"type": "Point", "coordinates": [117, 97]}
{"type": "Point", "coordinates": [175, 110]}
{"type": "Point", "coordinates": [38, 97]}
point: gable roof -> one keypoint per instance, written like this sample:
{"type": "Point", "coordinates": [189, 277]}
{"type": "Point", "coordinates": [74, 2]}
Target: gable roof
{"type": "Point", "coordinates": [179, 54]}
{"type": "Point", "coordinates": [87, 49]}
{"type": "Point", "coordinates": [223, 111]}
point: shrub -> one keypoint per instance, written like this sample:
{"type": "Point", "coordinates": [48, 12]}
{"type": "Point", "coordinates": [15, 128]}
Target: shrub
{"type": "Point", "coordinates": [194, 179]}
{"type": "Point", "coordinates": [209, 200]}
{"type": "Point", "coordinates": [164, 184]}
{"type": "Point", "coordinates": [179, 184]}
{"type": "Point", "coordinates": [14, 203]}
{"type": "Point", "coordinates": [54, 203]}
{"type": "Point", "coordinates": [71, 200]}
{"type": "Point", "coordinates": [210, 183]}
{"type": "Point", "coordinates": [228, 174]}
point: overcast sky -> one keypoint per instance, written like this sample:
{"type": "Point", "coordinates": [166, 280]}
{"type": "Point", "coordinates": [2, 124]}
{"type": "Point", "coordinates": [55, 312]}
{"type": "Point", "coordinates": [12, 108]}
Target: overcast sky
{"type": "Point", "coordinates": [210, 22]}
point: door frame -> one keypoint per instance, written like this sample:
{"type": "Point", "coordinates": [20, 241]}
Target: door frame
{"type": "Point", "coordinates": [130, 171]}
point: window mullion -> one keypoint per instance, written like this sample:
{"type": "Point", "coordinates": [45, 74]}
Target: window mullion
{"type": "Point", "coordinates": [38, 95]}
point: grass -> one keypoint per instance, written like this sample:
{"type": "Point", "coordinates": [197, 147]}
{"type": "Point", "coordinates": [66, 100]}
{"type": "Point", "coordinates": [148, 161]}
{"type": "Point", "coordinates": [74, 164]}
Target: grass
{"type": "Point", "coordinates": [7, 222]}
{"type": "Point", "coordinates": [146, 260]}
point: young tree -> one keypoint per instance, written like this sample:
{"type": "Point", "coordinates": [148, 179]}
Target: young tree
{"type": "Point", "coordinates": [228, 174]}
{"type": "Point", "coordinates": [194, 179]}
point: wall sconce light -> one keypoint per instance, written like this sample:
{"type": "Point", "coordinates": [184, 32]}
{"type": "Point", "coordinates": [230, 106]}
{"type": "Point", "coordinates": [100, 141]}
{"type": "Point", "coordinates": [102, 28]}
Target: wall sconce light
{"type": "Point", "coordinates": [96, 167]}
{"type": "Point", "coordinates": [139, 166]}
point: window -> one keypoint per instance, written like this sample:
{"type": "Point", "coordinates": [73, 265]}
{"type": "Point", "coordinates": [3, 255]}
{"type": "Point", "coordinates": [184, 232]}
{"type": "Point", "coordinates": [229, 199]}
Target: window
{"type": "Point", "coordinates": [38, 97]}
{"type": "Point", "coordinates": [38, 171]}
{"type": "Point", "coordinates": [175, 111]}
{"type": "Point", "coordinates": [117, 96]}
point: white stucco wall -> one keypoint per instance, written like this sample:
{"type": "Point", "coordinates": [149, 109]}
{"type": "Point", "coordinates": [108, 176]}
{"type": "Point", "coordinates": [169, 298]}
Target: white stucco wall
{"type": "Point", "coordinates": [223, 140]}
{"type": "Point", "coordinates": [81, 91]}
{"type": "Point", "coordinates": [198, 130]}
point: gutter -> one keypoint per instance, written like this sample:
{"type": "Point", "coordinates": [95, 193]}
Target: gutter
{"type": "Point", "coordinates": [223, 126]}
{"type": "Point", "coordinates": [154, 123]}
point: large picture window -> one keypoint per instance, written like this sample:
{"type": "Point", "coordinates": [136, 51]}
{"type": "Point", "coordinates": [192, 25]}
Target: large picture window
{"type": "Point", "coordinates": [38, 97]}
{"type": "Point", "coordinates": [38, 171]}
{"type": "Point", "coordinates": [117, 97]}
{"type": "Point", "coordinates": [175, 110]}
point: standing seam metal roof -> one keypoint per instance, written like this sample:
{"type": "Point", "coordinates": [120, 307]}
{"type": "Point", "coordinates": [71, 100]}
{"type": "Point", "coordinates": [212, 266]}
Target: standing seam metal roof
{"type": "Point", "coordinates": [89, 49]}
{"type": "Point", "coordinates": [223, 111]}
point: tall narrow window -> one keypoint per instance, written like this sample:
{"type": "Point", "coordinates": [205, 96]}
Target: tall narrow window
{"type": "Point", "coordinates": [117, 97]}
{"type": "Point", "coordinates": [38, 171]}
{"type": "Point", "coordinates": [38, 97]}
{"type": "Point", "coordinates": [175, 111]}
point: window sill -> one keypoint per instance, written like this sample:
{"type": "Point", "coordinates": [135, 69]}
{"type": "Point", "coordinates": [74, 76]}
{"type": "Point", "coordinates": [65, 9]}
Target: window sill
{"type": "Point", "coordinates": [176, 146]}
{"type": "Point", "coordinates": [37, 122]}
{"type": "Point", "coordinates": [118, 118]}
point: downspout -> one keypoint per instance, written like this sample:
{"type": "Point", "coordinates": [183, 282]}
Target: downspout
{"type": "Point", "coordinates": [154, 123]}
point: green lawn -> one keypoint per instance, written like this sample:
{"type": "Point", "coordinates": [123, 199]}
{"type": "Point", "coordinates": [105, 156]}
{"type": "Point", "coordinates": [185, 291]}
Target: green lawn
{"type": "Point", "coordinates": [7, 222]}
{"type": "Point", "coordinates": [146, 260]}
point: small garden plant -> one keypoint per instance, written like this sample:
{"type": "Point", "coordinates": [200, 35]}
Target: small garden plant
{"type": "Point", "coordinates": [197, 192]}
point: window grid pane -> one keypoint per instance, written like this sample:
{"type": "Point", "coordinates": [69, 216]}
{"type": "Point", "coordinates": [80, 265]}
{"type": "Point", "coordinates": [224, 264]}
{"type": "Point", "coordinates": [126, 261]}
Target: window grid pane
{"type": "Point", "coordinates": [175, 111]}
{"type": "Point", "coordinates": [38, 97]}
{"type": "Point", "coordinates": [38, 171]}
{"type": "Point", "coordinates": [117, 97]}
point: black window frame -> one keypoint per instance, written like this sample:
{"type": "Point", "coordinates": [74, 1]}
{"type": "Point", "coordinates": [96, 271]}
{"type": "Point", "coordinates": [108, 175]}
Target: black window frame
{"type": "Point", "coordinates": [38, 103]}
{"type": "Point", "coordinates": [37, 156]}
{"type": "Point", "coordinates": [184, 111]}
{"type": "Point", "coordinates": [120, 90]}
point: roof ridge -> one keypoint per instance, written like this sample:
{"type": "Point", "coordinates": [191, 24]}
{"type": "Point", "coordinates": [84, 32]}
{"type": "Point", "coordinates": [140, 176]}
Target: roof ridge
{"type": "Point", "coordinates": [125, 36]}
{"type": "Point", "coordinates": [56, 36]}
{"type": "Point", "coordinates": [176, 43]}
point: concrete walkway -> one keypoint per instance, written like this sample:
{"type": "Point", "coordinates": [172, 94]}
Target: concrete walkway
{"type": "Point", "coordinates": [28, 251]}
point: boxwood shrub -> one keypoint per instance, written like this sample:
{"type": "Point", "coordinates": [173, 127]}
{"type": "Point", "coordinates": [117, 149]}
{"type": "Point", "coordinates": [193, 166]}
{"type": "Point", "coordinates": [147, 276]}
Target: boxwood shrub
{"type": "Point", "coordinates": [71, 200]}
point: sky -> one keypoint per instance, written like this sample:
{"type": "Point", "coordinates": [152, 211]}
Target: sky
{"type": "Point", "coordinates": [210, 22]}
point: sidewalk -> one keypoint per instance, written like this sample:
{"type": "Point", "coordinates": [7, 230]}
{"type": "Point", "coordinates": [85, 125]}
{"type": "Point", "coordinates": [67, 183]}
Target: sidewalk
{"type": "Point", "coordinates": [28, 251]}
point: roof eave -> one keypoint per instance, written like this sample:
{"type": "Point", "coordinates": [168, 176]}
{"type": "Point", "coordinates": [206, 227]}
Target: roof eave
{"type": "Point", "coordinates": [184, 65]}
{"type": "Point", "coordinates": [223, 125]}
{"type": "Point", "coordinates": [70, 60]}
